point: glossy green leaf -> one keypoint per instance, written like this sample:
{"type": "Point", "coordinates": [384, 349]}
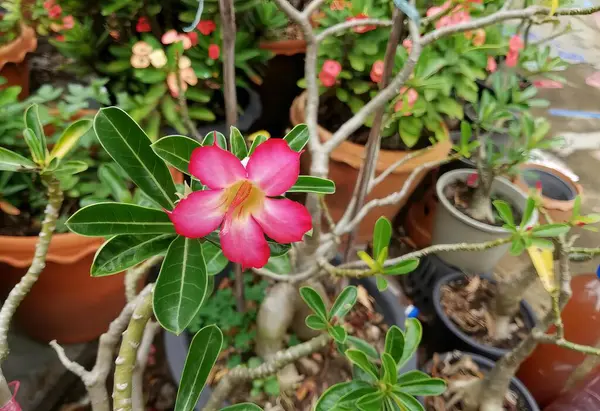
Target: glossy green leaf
{"type": "Point", "coordinates": [363, 346]}
{"type": "Point", "coordinates": [370, 402]}
{"type": "Point", "coordinates": [210, 138]}
{"type": "Point", "coordinates": [32, 121]}
{"type": "Point", "coordinates": [394, 343]}
{"type": "Point", "coordinates": [315, 322]}
{"type": "Point", "coordinates": [412, 339]}
{"type": "Point", "coordinates": [505, 212]}
{"type": "Point", "coordinates": [35, 147]}
{"type": "Point", "coordinates": [279, 265]}
{"type": "Point", "coordinates": [298, 137]}
{"type": "Point", "coordinates": [125, 141]}
{"type": "Point", "coordinates": [529, 207]}
{"type": "Point", "coordinates": [112, 179]}
{"type": "Point", "coordinates": [314, 301]}
{"type": "Point", "coordinates": [360, 359]}
{"type": "Point", "coordinates": [410, 376]}
{"type": "Point", "coordinates": [310, 184]}
{"type": "Point", "coordinates": [338, 333]}
{"type": "Point", "coordinates": [246, 406]}
{"type": "Point", "coordinates": [409, 402]}
{"type": "Point", "coordinates": [202, 355]}
{"type": "Point", "coordinates": [182, 285]}
{"type": "Point", "coordinates": [382, 234]}
{"type": "Point", "coordinates": [343, 396]}
{"type": "Point", "coordinates": [576, 207]}
{"type": "Point", "coordinates": [517, 246]}
{"type": "Point", "coordinates": [106, 219]}
{"type": "Point", "coordinates": [11, 161]}
{"type": "Point", "coordinates": [258, 140]}
{"type": "Point", "coordinates": [344, 303]}
{"type": "Point", "coordinates": [215, 260]}
{"type": "Point", "coordinates": [176, 150]}
{"type": "Point", "coordinates": [381, 283]}
{"type": "Point", "coordinates": [70, 168]}
{"type": "Point", "coordinates": [388, 365]}
{"type": "Point", "coordinates": [401, 268]}
{"type": "Point", "coordinates": [124, 251]}
{"type": "Point", "coordinates": [424, 387]}
{"type": "Point", "coordinates": [550, 230]}
{"type": "Point", "coordinates": [70, 137]}
{"type": "Point", "coordinates": [238, 143]}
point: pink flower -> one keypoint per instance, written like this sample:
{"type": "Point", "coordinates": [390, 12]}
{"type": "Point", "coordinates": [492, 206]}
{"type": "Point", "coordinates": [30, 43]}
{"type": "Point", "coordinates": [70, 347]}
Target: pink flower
{"type": "Point", "coordinates": [143, 25]}
{"type": "Point", "coordinates": [68, 22]}
{"type": "Point", "coordinates": [377, 71]}
{"type": "Point", "coordinates": [411, 98]}
{"type": "Point", "coordinates": [214, 51]}
{"type": "Point", "coordinates": [512, 58]}
{"type": "Point", "coordinates": [206, 27]}
{"type": "Point", "coordinates": [545, 83]}
{"type": "Point", "coordinates": [361, 29]}
{"type": "Point", "coordinates": [407, 44]}
{"type": "Point", "coordinates": [55, 11]}
{"type": "Point", "coordinates": [48, 4]}
{"type": "Point", "coordinates": [187, 75]}
{"type": "Point", "coordinates": [329, 72]}
{"type": "Point", "coordinates": [432, 11]}
{"type": "Point", "coordinates": [172, 36]}
{"type": "Point", "coordinates": [458, 17]}
{"type": "Point", "coordinates": [193, 36]}
{"type": "Point", "coordinates": [472, 180]}
{"type": "Point", "coordinates": [491, 64]}
{"type": "Point", "coordinates": [515, 43]}
{"type": "Point", "coordinates": [241, 200]}
{"type": "Point", "coordinates": [479, 37]}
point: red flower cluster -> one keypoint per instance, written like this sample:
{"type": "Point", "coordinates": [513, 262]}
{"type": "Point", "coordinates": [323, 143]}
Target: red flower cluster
{"type": "Point", "coordinates": [55, 13]}
{"type": "Point", "coordinates": [206, 27]}
{"type": "Point", "coordinates": [514, 45]}
{"type": "Point", "coordinates": [329, 72]}
{"type": "Point", "coordinates": [143, 25]}
{"type": "Point", "coordinates": [214, 51]}
{"type": "Point", "coordinates": [361, 29]}
{"type": "Point", "coordinates": [377, 71]}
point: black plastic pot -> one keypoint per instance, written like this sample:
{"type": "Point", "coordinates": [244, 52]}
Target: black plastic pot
{"type": "Point", "coordinates": [450, 337]}
{"type": "Point", "coordinates": [553, 186]}
{"type": "Point", "coordinates": [386, 303]}
{"type": "Point", "coordinates": [485, 366]}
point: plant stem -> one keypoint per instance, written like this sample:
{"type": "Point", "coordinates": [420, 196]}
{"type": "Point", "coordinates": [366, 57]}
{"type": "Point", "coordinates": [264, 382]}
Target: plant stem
{"type": "Point", "coordinates": [183, 107]}
{"type": "Point", "coordinates": [228, 50]}
{"type": "Point", "coordinates": [239, 288]}
{"type": "Point", "coordinates": [242, 373]}
{"type": "Point", "coordinates": [125, 362]}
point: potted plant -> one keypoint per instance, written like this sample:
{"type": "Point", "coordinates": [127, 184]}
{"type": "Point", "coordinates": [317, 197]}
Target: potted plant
{"type": "Point", "coordinates": [16, 41]}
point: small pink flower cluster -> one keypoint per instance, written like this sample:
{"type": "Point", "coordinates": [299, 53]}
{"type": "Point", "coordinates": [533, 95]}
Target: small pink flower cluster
{"type": "Point", "coordinates": [361, 29]}
{"type": "Point", "coordinates": [459, 14]}
{"type": "Point", "coordinates": [329, 72]}
{"type": "Point", "coordinates": [62, 23]}
{"type": "Point", "coordinates": [514, 45]}
{"type": "Point", "coordinates": [172, 36]}
{"type": "Point", "coordinates": [411, 98]}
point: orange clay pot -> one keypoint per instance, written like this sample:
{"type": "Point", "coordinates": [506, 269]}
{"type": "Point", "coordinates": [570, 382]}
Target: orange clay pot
{"type": "Point", "coordinates": [13, 63]}
{"type": "Point", "coordinates": [65, 303]}
{"type": "Point", "coordinates": [418, 223]}
{"type": "Point", "coordinates": [549, 367]}
{"type": "Point", "coordinates": [284, 47]}
{"type": "Point", "coordinates": [344, 165]}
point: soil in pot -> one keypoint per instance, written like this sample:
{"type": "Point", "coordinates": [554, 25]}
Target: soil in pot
{"type": "Point", "coordinates": [456, 366]}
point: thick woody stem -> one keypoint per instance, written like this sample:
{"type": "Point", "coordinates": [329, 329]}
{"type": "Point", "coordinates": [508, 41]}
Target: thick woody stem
{"type": "Point", "coordinates": [228, 50]}
{"type": "Point", "coordinates": [242, 374]}
{"type": "Point", "coordinates": [133, 276]}
{"type": "Point", "coordinates": [140, 366]}
{"type": "Point", "coordinates": [125, 362]}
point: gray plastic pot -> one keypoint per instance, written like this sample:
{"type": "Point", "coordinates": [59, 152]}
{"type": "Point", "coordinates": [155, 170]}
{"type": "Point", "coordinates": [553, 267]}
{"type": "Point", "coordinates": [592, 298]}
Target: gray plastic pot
{"type": "Point", "coordinates": [452, 226]}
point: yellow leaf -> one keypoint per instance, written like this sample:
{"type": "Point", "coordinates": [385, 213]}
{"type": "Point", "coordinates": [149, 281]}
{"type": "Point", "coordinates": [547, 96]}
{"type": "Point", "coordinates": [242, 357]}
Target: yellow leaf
{"type": "Point", "coordinates": [553, 7]}
{"type": "Point", "coordinates": [368, 260]}
{"type": "Point", "coordinates": [544, 265]}
{"type": "Point", "coordinates": [253, 136]}
{"type": "Point", "coordinates": [69, 138]}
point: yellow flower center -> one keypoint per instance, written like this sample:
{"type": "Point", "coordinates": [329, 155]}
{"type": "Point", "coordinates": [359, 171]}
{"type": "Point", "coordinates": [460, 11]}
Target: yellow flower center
{"type": "Point", "coordinates": [241, 199]}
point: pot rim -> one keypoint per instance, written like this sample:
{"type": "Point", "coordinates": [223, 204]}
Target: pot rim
{"type": "Point", "coordinates": [489, 350]}
{"type": "Point", "coordinates": [16, 50]}
{"type": "Point", "coordinates": [455, 175]}
{"type": "Point", "coordinates": [551, 203]}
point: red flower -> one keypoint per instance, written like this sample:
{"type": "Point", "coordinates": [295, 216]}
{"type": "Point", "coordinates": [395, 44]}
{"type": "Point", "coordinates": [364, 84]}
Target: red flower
{"type": "Point", "coordinates": [377, 71]}
{"type": "Point", "coordinates": [329, 72]}
{"type": "Point", "coordinates": [361, 29]}
{"type": "Point", "coordinates": [193, 36]}
{"type": "Point", "coordinates": [60, 38]}
{"type": "Point", "coordinates": [55, 11]}
{"type": "Point", "coordinates": [491, 64]}
{"type": "Point", "coordinates": [68, 22]}
{"type": "Point", "coordinates": [206, 27]}
{"type": "Point", "coordinates": [214, 51]}
{"type": "Point", "coordinates": [512, 58]}
{"type": "Point", "coordinates": [143, 25]}
{"type": "Point", "coordinates": [472, 179]}
{"type": "Point", "coordinates": [407, 43]}
{"type": "Point", "coordinates": [538, 186]}
{"type": "Point", "coordinates": [48, 4]}
{"type": "Point", "coordinates": [515, 43]}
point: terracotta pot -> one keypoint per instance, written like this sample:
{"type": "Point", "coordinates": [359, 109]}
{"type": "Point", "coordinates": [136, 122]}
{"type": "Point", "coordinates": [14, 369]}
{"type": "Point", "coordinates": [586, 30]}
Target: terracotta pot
{"type": "Point", "coordinates": [344, 165]}
{"type": "Point", "coordinates": [558, 190]}
{"type": "Point", "coordinates": [65, 303]}
{"type": "Point", "coordinates": [418, 223]}
{"type": "Point", "coordinates": [284, 47]}
{"type": "Point", "coordinates": [13, 65]}
{"type": "Point", "coordinates": [553, 365]}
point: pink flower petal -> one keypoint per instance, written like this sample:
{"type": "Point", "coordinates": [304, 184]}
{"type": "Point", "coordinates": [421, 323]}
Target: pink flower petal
{"type": "Point", "coordinates": [274, 167]}
{"type": "Point", "coordinates": [243, 241]}
{"type": "Point", "coordinates": [199, 214]}
{"type": "Point", "coordinates": [169, 37]}
{"type": "Point", "coordinates": [285, 221]}
{"type": "Point", "coordinates": [215, 167]}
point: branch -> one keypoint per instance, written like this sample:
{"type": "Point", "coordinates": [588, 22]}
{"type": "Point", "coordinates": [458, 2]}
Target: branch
{"type": "Point", "coordinates": [133, 275]}
{"type": "Point", "coordinates": [140, 366]}
{"type": "Point", "coordinates": [397, 164]}
{"type": "Point", "coordinates": [183, 107]}
{"type": "Point", "coordinates": [580, 254]}
{"type": "Point", "coordinates": [228, 32]}
{"type": "Point", "coordinates": [125, 362]}
{"type": "Point", "coordinates": [241, 374]}
{"type": "Point", "coordinates": [289, 278]}
{"type": "Point", "coordinates": [543, 338]}
{"type": "Point", "coordinates": [312, 7]}
{"type": "Point", "coordinates": [337, 28]}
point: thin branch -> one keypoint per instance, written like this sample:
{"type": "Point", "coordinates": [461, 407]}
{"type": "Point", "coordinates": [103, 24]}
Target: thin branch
{"type": "Point", "coordinates": [327, 213]}
{"type": "Point", "coordinates": [183, 107]}
{"type": "Point", "coordinates": [228, 32]}
{"type": "Point", "coordinates": [340, 27]}
{"type": "Point", "coordinates": [396, 165]}
{"type": "Point", "coordinates": [432, 19]}
{"type": "Point", "coordinates": [290, 278]}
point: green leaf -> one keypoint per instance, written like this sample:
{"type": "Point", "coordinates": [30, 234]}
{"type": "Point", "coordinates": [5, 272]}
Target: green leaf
{"type": "Point", "coordinates": [245, 406]}
{"type": "Point", "coordinates": [363, 346]}
{"type": "Point", "coordinates": [106, 219]}
{"type": "Point", "coordinates": [576, 207]}
{"type": "Point", "coordinates": [215, 260]}
{"type": "Point", "coordinates": [390, 375]}
{"type": "Point", "coordinates": [529, 207]}
{"type": "Point", "coordinates": [465, 134]}
{"type": "Point", "coordinates": [35, 147]}
{"type": "Point", "coordinates": [409, 402]}
{"type": "Point", "coordinates": [279, 265]}
{"type": "Point", "coordinates": [210, 137]}
{"type": "Point", "coordinates": [542, 243]}
{"type": "Point", "coordinates": [11, 161]}
{"type": "Point", "coordinates": [394, 343]}
{"type": "Point", "coordinates": [338, 333]}
{"type": "Point", "coordinates": [258, 140]}
{"type": "Point", "coordinates": [238, 144]}
{"type": "Point", "coordinates": [310, 184]}
{"type": "Point", "coordinates": [370, 402]}
{"type": "Point", "coordinates": [314, 301]}
{"type": "Point", "coordinates": [114, 181]}
{"type": "Point", "coordinates": [550, 230]}
{"type": "Point", "coordinates": [70, 137]}
{"type": "Point", "coordinates": [124, 251]}
{"type": "Point", "coordinates": [182, 285]}
{"type": "Point", "coordinates": [381, 282]}
{"type": "Point", "coordinates": [315, 322]}
{"type": "Point", "coordinates": [70, 168]}
{"type": "Point", "coordinates": [423, 387]}
{"type": "Point", "coordinates": [176, 150]}
{"type": "Point", "coordinates": [125, 141]}
{"type": "Point", "coordinates": [360, 359]}
{"type": "Point", "coordinates": [342, 396]}
{"type": "Point", "coordinates": [382, 234]}
{"type": "Point", "coordinates": [505, 212]}
{"type": "Point", "coordinates": [298, 137]}
{"type": "Point", "coordinates": [517, 246]}
{"type": "Point", "coordinates": [344, 303]}
{"type": "Point", "coordinates": [32, 121]}
{"type": "Point", "coordinates": [411, 376]}
{"type": "Point", "coordinates": [412, 338]}
{"type": "Point", "coordinates": [401, 268]}
{"type": "Point", "coordinates": [202, 355]}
